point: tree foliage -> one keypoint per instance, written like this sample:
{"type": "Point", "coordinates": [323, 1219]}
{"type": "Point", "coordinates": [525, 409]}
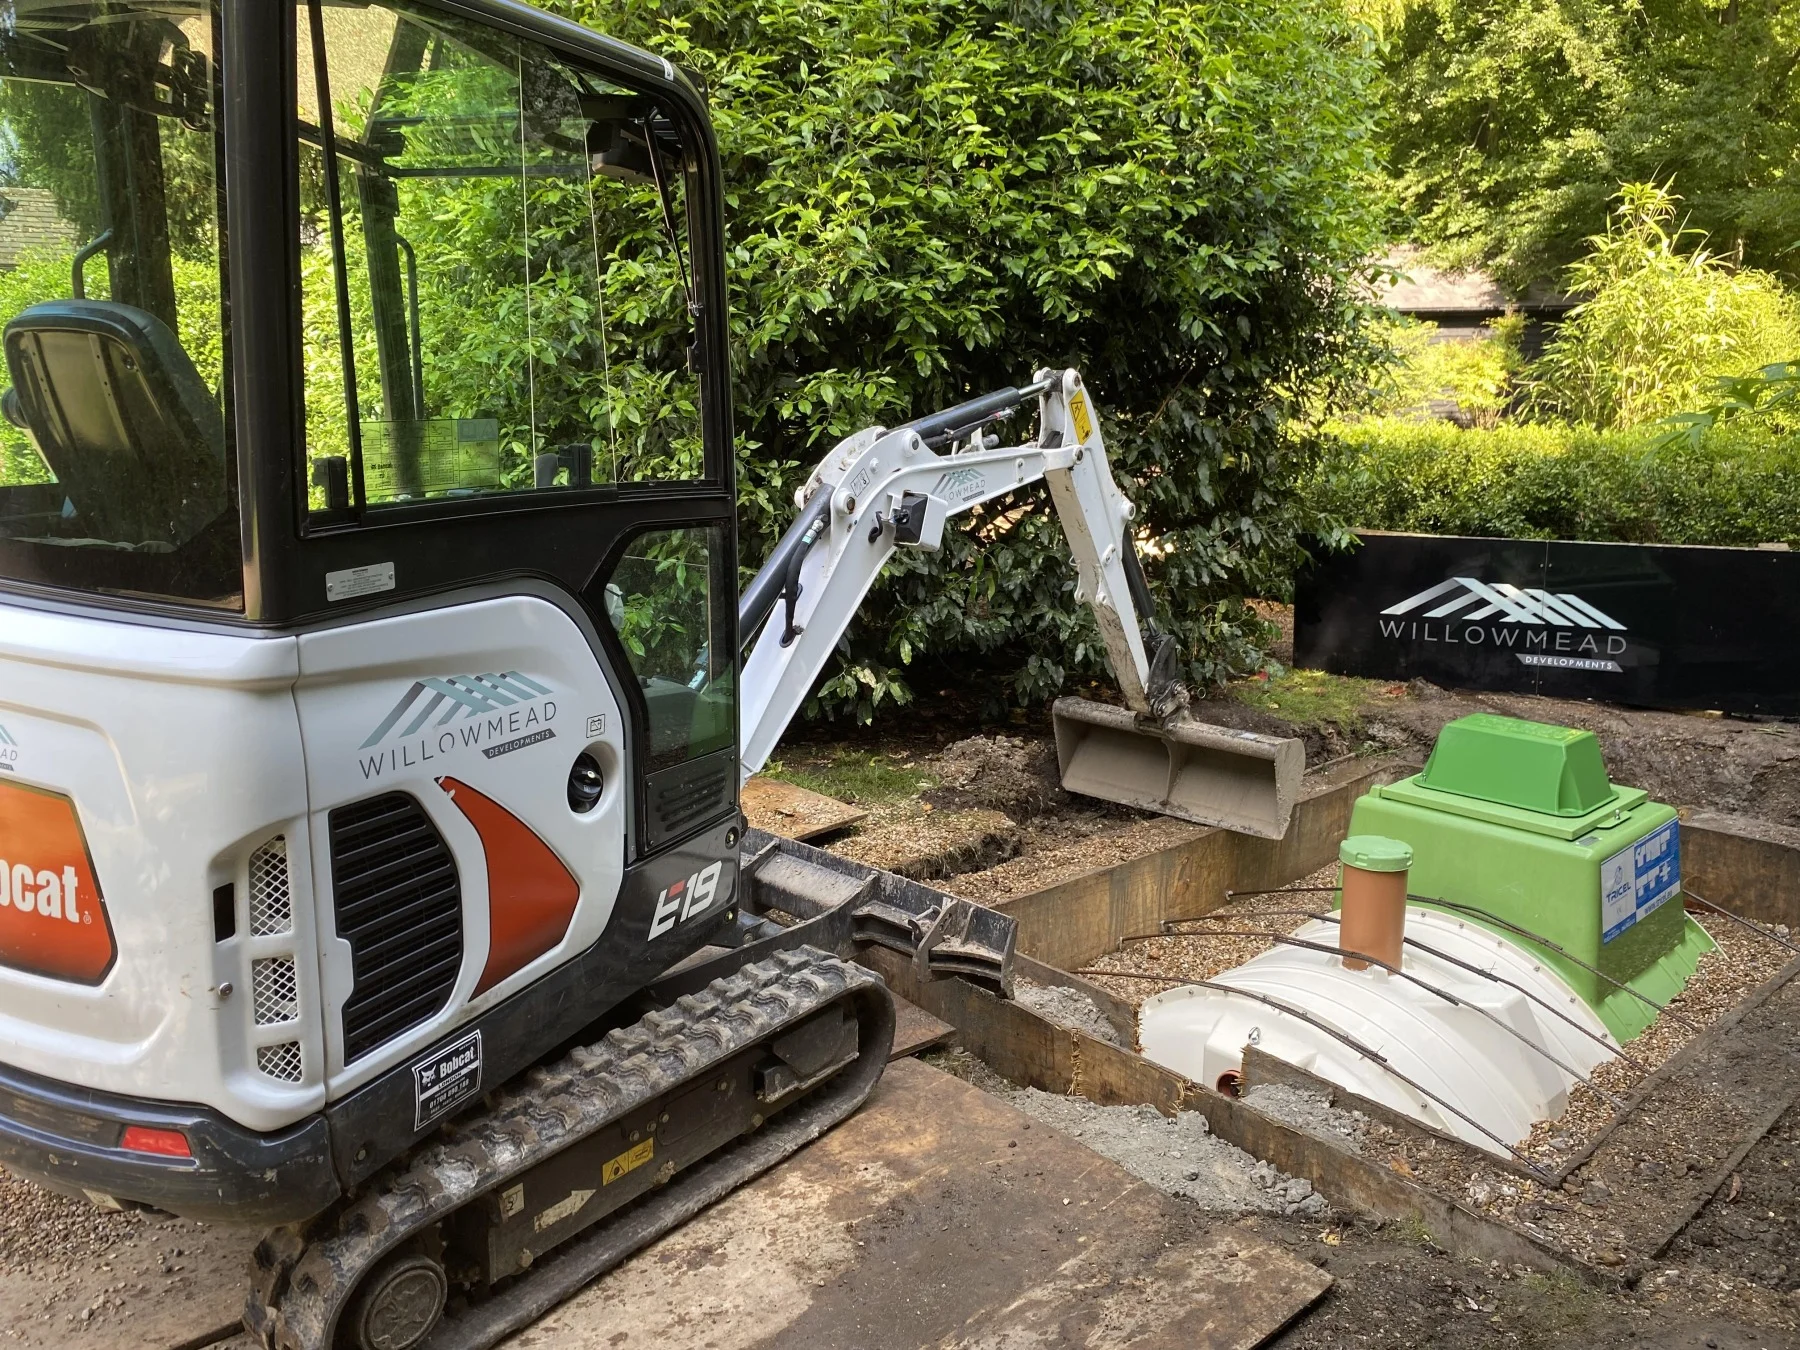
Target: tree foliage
{"type": "Point", "coordinates": [929, 199]}
{"type": "Point", "coordinates": [1512, 122]}
{"type": "Point", "coordinates": [1664, 318]}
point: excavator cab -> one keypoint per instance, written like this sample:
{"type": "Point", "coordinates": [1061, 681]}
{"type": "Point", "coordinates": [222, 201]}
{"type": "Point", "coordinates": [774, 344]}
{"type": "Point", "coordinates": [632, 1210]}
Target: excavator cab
{"type": "Point", "coordinates": [368, 679]}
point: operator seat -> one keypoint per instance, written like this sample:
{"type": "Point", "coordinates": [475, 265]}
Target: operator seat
{"type": "Point", "coordinates": [122, 418]}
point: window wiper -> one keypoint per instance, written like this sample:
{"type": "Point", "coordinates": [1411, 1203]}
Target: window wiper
{"type": "Point", "coordinates": [651, 135]}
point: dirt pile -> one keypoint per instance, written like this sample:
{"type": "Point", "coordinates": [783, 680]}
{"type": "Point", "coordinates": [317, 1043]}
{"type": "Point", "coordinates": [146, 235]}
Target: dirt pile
{"type": "Point", "coordinates": [998, 773]}
{"type": "Point", "coordinates": [937, 844]}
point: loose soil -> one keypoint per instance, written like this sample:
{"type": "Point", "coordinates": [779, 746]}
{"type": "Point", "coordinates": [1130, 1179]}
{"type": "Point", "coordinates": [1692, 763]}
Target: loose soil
{"type": "Point", "coordinates": [1751, 1228]}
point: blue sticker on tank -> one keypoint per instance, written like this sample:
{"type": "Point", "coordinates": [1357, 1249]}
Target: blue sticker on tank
{"type": "Point", "coordinates": [1636, 881]}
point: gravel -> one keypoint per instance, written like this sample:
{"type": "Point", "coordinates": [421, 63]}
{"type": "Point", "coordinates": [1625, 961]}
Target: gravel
{"type": "Point", "coordinates": [1311, 1113]}
{"type": "Point", "coordinates": [1067, 1008]}
{"type": "Point", "coordinates": [41, 1230]}
{"type": "Point", "coordinates": [1178, 1155]}
{"type": "Point", "coordinates": [1201, 952]}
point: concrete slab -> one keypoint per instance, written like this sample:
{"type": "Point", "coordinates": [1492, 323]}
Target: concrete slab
{"type": "Point", "coordinates": [939, 1216]}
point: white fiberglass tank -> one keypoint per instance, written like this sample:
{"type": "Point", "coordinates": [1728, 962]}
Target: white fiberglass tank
{"type": "Point", "coordinates": [1483, 1083]}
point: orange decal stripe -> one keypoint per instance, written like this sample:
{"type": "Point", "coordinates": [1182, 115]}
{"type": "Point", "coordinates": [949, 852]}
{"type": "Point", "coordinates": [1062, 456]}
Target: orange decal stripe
{"type": "Point", "coordinates": [531, 895]}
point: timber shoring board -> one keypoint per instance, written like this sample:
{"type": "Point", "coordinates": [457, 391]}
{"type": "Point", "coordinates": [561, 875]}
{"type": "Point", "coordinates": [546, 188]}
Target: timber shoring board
{"type": "Point", "coordinates": [1751, 867]}
{"type": "Point", "coordinates": [940, 1216]}
{"type": "Point", "coordinates": [1073, 922]}
{"type": "Point", "coordinates": [796, 812]}
{"type": "Point", "coordinates": [916, 1030]}
{"type": "Point", "coordinates": [1025, 1048]}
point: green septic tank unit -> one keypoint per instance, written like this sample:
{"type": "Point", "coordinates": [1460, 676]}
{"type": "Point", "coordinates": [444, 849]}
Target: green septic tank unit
{"type": "Point", "coordinates": [1520, 820]}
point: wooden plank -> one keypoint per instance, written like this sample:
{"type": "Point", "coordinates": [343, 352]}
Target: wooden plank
{"type": "Point", "coordinates": [916, 1030]}
{"type": "Point", "coordinates": [795, 812]}
{"type": "Point", "coordinates": [1075, 921]}
{"type": "Point", "coordinates": [938, 1216]}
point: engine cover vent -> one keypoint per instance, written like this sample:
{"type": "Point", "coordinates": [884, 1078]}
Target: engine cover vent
{"type": "Point", "coordinates": [271, 903]}
{"type": "Point", "coordinates": [398, 902]}
{"type": "Point", "coordinates": [687, 794]}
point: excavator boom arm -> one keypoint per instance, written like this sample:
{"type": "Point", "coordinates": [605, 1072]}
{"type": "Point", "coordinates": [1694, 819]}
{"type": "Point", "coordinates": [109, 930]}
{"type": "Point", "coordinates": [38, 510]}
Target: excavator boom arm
{"type": "Point", "coordinates": [883, 490]}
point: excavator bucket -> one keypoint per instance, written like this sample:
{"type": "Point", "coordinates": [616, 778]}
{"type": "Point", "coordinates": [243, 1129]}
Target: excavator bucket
{"type": "Point", "coordinates": [1182, 767]}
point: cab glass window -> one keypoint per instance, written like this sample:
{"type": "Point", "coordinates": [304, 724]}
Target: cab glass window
{"type": "Point", "coordinates": [495, 270]}
{"type": "Point", "coordinates": [672, 605]}
{"type": "Point", "coordinates": [115, 464]}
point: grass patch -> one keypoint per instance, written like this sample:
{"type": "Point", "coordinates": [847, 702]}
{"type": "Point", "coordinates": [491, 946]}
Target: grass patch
{"type": "Point", "coordinates": [1311, 698]}
{"type": "Point", "coordinates": [866, 778]}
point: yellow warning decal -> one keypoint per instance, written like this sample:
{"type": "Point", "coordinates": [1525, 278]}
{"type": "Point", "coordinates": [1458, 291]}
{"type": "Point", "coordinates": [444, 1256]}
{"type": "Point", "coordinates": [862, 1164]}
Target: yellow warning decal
{"type": "Point", "coordinates": [1078, 410]}
{"type": "Point", "coordinates": [628, 1161]}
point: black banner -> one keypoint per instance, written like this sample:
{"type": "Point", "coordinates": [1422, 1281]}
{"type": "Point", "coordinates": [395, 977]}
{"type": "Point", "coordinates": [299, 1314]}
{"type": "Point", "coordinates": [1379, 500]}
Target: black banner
{"type": "Point", "coordinates": [1656, 625]}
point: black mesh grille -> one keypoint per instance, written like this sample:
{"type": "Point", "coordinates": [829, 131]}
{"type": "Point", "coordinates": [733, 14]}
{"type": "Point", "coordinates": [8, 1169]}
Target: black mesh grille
{"type": "Point", "coordinates": [687, 794]}
{"type": "Point", "coordinates": [399, 906]}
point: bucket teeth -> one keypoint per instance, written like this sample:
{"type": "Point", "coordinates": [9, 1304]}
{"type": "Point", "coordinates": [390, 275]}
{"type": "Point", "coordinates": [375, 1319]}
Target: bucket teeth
{"type": "Point", "coordinates": [1179, 766]}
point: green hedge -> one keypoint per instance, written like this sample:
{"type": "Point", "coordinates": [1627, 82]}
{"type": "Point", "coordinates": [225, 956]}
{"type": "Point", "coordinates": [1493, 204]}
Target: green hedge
{"type": "Point", "coordinates": [1741, 486]}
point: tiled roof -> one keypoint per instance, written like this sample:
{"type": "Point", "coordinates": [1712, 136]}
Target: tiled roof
{"type": "Point", "coordinates": [1426, 290]}
{"type": "Point", "coordinates": [30, 221]}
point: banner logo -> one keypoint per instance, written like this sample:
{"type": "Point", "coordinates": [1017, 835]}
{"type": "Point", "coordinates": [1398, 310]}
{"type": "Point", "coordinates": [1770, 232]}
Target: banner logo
{"type": "Point", "coordinates": [1545, 629]}
{"type": "Point", "coordinates": [1505, 604]}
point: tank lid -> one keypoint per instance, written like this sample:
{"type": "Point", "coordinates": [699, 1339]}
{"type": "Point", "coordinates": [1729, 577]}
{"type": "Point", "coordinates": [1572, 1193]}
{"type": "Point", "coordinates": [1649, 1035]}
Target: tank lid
{"type": "Point", "coordinates": [1375, 853]}
{"type": "Point", "coordinates": [1533, 766]}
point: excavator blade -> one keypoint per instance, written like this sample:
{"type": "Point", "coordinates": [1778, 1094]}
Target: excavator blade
{"type": "Point", "coordinates": [1182, 767]}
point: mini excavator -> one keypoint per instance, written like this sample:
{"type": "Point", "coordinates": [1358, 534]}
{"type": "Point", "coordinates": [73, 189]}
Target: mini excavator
{"type": "Point", "coordinates": [375, 691]}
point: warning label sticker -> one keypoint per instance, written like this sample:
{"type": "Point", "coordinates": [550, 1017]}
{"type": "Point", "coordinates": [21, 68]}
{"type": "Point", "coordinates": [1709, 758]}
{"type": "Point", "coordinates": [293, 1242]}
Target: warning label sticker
{"type": "Point", "coordinates": [1639, 880]}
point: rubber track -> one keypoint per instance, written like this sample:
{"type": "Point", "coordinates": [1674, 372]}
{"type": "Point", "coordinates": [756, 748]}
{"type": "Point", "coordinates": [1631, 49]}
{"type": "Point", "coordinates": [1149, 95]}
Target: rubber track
{"type": "Point", "coordinates": [301, 1284]}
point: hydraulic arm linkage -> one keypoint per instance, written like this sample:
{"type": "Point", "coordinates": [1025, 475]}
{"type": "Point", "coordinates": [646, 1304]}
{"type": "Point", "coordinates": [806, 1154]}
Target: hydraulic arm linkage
{"type": "Point", "coordinates": [886, 489]}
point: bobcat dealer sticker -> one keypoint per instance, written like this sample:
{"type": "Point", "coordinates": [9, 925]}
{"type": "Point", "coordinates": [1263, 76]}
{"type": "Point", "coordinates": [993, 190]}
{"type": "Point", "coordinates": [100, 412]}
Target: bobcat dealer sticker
{"type": "Point", "coordinates": [445, 1079]}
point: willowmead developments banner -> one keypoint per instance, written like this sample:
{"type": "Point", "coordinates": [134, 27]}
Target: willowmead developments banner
{"type": "Point", "coordinates": [1655, 625]}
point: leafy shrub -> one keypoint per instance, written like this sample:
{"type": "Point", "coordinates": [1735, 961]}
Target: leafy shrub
{"type": "Point", "coordinates": [1739, 485]}
{"type": "Point", "coordinates": [1661, 325]}
{"type": "Point", "coordinates": [928, 199]}
{"type": "Point", "coordinates": [1477, 375]}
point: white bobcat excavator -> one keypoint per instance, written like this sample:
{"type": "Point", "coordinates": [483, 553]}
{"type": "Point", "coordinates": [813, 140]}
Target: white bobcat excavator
{"type": "Point", "coordinates": [371, 865]}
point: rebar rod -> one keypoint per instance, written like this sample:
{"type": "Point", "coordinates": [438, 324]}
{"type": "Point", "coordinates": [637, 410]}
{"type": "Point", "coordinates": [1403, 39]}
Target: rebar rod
{"type": "Point", "coordinates": [1288, 940]}
{"type": "Point", "coordinates": [1751, 924]}
{"type": "Point", "coordinates": [1560, 950]}
{"type": "Point", "coordinates": [1442, 955]}
{"type": "Point", "coordinates": [1366, 1051]}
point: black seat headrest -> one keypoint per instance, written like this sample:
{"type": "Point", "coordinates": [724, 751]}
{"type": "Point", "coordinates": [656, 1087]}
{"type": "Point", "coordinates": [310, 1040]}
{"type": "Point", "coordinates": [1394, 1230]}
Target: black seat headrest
{"type": "Point", "coordinates": [135, 438]}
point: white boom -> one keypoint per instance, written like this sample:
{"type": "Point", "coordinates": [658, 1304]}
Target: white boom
{"type": "Point", "coordinates": [884, 489]}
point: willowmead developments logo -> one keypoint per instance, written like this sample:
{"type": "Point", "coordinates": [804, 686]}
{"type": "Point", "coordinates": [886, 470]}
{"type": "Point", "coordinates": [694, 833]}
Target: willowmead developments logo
{"type": "Point", "coordinates": [496, 714]}
{"type": "Point", "coordinates": [1542, 628]}
{"type": "Point", "coordinates": [9, 752]}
